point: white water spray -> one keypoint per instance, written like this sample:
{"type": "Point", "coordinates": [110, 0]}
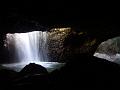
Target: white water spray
{"type": "Point", "coordinates": [29, 47]}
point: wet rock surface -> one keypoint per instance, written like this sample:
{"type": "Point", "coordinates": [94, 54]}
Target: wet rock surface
{"type": "Point", "coordinates": [90, 72]}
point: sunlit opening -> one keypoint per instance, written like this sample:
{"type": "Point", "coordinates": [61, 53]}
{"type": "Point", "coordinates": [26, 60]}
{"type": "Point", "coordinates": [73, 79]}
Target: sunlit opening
{"type": "Point", "coordinates": [31, 47]}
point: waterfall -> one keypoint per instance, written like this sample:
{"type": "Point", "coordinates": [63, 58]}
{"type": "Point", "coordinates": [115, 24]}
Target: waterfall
{"type": "Point", "coordinates": [34, 47]}
{"type": "Point", "coordinates": [28, 47]}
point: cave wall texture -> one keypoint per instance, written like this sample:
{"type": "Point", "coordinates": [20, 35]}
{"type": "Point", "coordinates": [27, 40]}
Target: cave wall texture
{"type": "Point", "coordinates": [91, 26]}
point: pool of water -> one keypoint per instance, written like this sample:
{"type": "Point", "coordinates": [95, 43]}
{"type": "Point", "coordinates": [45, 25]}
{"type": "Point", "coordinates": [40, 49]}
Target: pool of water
{"type": "Point", "coordinates": [50, 66]}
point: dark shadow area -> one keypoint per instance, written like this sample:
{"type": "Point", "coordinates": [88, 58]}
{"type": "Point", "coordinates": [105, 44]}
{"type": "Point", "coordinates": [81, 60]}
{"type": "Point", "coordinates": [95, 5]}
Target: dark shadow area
{"type": "Point", "coordinates": [82, 69]}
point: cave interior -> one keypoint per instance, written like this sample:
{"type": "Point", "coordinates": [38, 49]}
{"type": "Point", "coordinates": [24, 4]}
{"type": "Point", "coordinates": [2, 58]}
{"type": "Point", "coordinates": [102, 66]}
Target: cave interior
{"type": "Point", "coordinates": [88, 29]}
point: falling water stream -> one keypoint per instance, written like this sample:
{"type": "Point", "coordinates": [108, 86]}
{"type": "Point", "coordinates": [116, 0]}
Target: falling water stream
{"type": "Point", "coordinates": [31, 47]}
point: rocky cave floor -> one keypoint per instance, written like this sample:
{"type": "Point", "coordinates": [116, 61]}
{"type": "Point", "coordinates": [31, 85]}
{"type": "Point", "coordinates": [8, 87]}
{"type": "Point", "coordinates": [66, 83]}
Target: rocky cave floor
{"type": "Point", "coordinates": [81, 71]}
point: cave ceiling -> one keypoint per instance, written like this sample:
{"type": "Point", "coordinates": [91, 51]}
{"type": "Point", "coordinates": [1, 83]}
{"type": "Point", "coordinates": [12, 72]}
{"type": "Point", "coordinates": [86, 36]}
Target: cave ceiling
{"type": "Point", "coordinates": [50, 15]}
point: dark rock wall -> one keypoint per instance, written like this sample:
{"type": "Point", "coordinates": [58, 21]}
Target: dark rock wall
{"type": "Point", "coordinates": [29, 17]}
